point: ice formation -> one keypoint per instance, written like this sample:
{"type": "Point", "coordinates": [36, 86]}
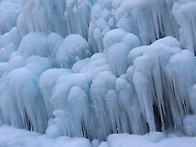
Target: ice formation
{"type": "Point", "coordinates": [96, 67]}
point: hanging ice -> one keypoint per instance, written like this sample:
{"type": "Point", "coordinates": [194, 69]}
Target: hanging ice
{"type": "Point", "coordinates": [96, 67]}
{"type": "Point", "coordinates": [63, 16]}
{"type": "Point", "coordinates": [117, 48]}
{"type": "Point", "coordinates": [184, 12]}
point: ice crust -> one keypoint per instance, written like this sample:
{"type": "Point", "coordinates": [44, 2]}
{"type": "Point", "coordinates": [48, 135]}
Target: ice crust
{"type": "Point", "coordinates": [90, 68]}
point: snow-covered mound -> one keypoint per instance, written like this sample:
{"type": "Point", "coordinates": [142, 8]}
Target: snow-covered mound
{"type": "Point", "coordinates": [12, 137]}
{"type": "Point", "coordinates": [91, 68]}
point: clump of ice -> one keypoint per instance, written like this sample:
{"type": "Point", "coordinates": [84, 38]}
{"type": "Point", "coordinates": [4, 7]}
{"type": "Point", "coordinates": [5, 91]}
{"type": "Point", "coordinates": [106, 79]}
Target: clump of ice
{"type": "Point", "coordinates": [8, 9]}
{"type": "Point", "coordinates": [33, 44]}
{"type": "Point", "coordinates": [117, 45]}
{"type": "Point", "coordinates": [14, 63]}
{"type": "Point", "coordinates": [144, 18]}
{"type": "Point", "coordinates": [156, 136]}
{"type": "Point", "coordinates": [54, 41]}
{"type": "Point", "coordinates": [62, 17]}
{"type": "Point", "coordinates": [22, 104]}
{"type": "Point", "coordinates": [184, 13]}
{"type": "Point", "coordinates": [47, 83]}
{"type": "Point", "coordinates": [73, 49]}
{"type": "Point", "coordinates": [6, 52]}
{"type": "Point", "coordinates": [189, 125]}
{"type": "Point", "coordinates": [13, 36]}
{"type": "Point", "coordinates": [102, 21]}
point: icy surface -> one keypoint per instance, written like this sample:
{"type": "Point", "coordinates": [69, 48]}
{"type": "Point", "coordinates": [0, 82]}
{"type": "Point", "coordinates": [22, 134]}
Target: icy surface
{"type": "Point", "coordinates": [73, 49]}
{"type": "Point", "coordinates": [91, 68]}
{"type": "Point", "coordinates": [10, 137]}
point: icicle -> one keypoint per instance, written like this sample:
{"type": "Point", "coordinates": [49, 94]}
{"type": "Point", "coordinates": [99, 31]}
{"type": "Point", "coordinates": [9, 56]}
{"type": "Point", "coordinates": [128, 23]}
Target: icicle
{"type": "Point", "coordinates": [78, 104]}
{"type": "Point", "coordinates": [47, 83]}
{"type": "Point", "coordinates": [143, 18]}
{"type": "Point", "coordinates": [185, 15]}
{"type": "Point", "coordinates": [148, 78]}
{"type": "Point", "coordinates": [179, 76]}
{"type": "Point", "coordinates": [99, 87]}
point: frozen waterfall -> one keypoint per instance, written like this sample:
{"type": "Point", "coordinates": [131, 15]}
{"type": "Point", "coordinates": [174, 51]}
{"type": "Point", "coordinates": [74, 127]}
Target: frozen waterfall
{"type": "Point", "coordinates": [96, 67]}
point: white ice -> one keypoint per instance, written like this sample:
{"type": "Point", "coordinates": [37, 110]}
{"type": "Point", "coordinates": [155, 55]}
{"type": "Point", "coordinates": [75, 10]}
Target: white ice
{"type": "Point", "coordinates": [92, 68]}
{"type": "Point", "coordinates": [10, 137]}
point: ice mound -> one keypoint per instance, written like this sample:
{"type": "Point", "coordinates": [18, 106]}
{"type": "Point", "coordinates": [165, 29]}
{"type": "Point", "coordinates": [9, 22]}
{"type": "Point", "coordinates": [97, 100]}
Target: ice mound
{"type": "Point", "coordinates": [73, 49]}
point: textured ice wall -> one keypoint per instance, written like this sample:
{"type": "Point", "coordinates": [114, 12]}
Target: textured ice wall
{"type": "Point", "coordinates": [96, 67]}
{"type": "Point", "coordinates": [184, 13]}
